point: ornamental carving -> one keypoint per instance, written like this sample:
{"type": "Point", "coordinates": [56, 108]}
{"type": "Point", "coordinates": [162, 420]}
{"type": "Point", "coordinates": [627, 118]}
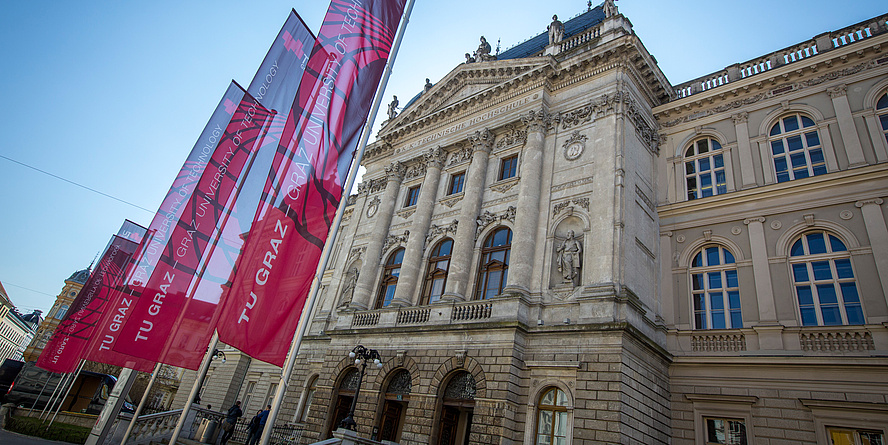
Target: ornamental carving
{"type": "Point", "coordinates": [371, 186]}
{"type": "Point", "coordinates": [347, 214]}
{"type": "Point", "coordinates": [513, 136]}
{"type": "Point", "coordinates": [462, 154]}
{"type": "Point", "coordinates": [837, 91]}
{"type": "Point", "coordinates": [449, 201]}
{"type": "Point", "coordinates": [506, 185]}
{"type": "Point", "coordinates": [574, 146]}
{"type": "Point", "coordinates": [435, 157]}
{"type": "Point", "coordinates": [604, 105]}
{"type": "Point", "coordinates": [373, 207]}
{"type": "Point", "coordinates": [740, 118]}
{"type": "Point", "coordinates": [395, 171]}
{"type": "Point", "coordinates": [538, 121]}
{"type": "Point", "coordinates": [645, 132]}
{"type": "Point", "coordinates": [356, 252]}
{"type": "Point", "coordinates": [568, 204]}
{"type": "Point", "coordinates": [393, 240]}
{"type": "Point", "coordinates": [415, 170]}
{"type": "Point", "coordinates": [487, 218]}
{"type": "Point", "coordinates": [572, 184]}
{"type": "Point", "coordinates": [400, 383]}
{"type": "Point", "coordinates": [407, 213]}
{"type": "Point", "coordinates": [461, 387]}
{"type": "Point", "coordinates": [482, 140]}
{"type": "Point", "coordinates": [436, 230]}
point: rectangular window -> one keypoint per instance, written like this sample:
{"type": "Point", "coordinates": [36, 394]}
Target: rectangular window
{"type": "Point", "coordinates": [508, 167]}
{"type": "Point", "coordinates": [844, 436]}
{"type": "Point", "coordinates": [456, 183]}
{"type": "Point", "coordinates": [412, 196]}
{"type": "Point", "coordinates": [725, 431]}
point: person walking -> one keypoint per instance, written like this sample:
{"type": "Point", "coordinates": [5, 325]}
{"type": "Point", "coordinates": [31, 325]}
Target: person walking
{"type": "Point", "coordinates": [231, 421]}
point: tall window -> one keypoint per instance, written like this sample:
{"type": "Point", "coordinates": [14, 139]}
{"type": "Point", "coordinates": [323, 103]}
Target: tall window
{"type": "Point", "coordinates": [824, 281]}
{"type": "Point", "coordinates": [552, 418]}
{"type": "Point", "coordinates": [456, 183]}
{"type": "Point", "coordinates": [882, 110]}
{"type": "Point", "coordinates": [390, 275]}
{"type": "Point", "coordinates": [309, 396]}
{"type": "Point", "coordinates": [412, 196]}
{"type": "Point", "coordinates": [715, 289]}
{"type": "Point", "coordinates": [795, 148]}
{"type": "Point", "coordinates": [494, 263]}
{"type": "Point", "coordinates": [508, 167]}
{"type": "Point", "coordinates": [725, 431]}
{"type": "Point", "coordinates": [436, 273]}
{"type": "Point", "coordinates": [705, 169]}
{"type": "Point", "coordinates": [63, 310]}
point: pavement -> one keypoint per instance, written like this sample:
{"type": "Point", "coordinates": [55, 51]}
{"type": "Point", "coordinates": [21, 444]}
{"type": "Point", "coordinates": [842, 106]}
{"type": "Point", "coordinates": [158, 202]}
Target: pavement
{"type": "Point", "coordinates": [10, 438]}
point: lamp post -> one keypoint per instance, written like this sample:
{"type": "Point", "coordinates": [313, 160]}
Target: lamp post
{"type": "Point", "coordinates": [361, 355]}
{"type": "Point", "coordinates": [216, 354]}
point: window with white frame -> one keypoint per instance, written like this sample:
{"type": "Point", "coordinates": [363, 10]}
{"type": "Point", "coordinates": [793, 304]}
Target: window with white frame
{"type": "Point", "coordinates": [882, 113]}
{"type": "Point", "coordinates": [715, 289]}
{"type": "Point", "coordinates": [704, 163]}
{"type": "Point", "coordinates": [795, 148]}
{"type": "Point", "coordinates": [824, 282]}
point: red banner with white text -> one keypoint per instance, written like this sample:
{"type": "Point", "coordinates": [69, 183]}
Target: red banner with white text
{"type": "Point", "coordinates": [157, 308]}
{"type": "Point", "coordinates": [304, 185]}
{"type": "Point", "coordinates": [70, 339]}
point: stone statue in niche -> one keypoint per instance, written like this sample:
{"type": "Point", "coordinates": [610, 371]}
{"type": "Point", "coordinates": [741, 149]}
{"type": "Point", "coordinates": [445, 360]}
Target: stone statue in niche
{"type": "Point", "coordinates": [393, 107]}
{"type": "Point", "coordinates": [556, 30]}
{"type": "Point", "coordinates": [568, 258]}
{"type": "Point", "coordinates": [348, 291]}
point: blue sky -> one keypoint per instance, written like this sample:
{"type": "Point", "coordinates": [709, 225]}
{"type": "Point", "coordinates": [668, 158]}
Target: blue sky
{"type": "Point", "coordinates": [113, 95]}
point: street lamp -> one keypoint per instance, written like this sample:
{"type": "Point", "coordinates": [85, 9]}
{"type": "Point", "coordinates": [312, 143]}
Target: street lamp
{"type": "Point", "coordinates": [217, 354]}
{"type": "Point", "coordinates": [361, 355]}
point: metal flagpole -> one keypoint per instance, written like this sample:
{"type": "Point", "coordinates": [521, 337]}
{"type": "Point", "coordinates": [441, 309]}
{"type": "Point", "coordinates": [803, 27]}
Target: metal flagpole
{"type": "Point", "coordinates": [63, 383]}
{"type": "Point", "coordinates": [34, 405]}
{"type": "Point", "coordinates": [204, 367]}
{"type": "Point", "coordinates": [331, 237]}
{"type": "Point", "coordinates": [132, 424]}
{"type": "Point", "coordinates": [68, 391]}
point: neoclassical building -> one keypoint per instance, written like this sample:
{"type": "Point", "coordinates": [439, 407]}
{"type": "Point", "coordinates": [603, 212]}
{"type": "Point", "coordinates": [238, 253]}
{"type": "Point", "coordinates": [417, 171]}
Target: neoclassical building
{"type": "Point", "coordinates": [555, 245]}
{"type": "Point", "coordinates": [69, 292]}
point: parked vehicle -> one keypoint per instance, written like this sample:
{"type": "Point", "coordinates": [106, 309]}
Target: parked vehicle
{"type": "Point", "coordinates": [88, 394]}
{"type": "Point", "coordinates": [8, 372]}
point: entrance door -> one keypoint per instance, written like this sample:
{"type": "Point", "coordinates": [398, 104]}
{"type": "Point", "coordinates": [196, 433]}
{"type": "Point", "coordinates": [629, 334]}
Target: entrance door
{"type": "Point", "coordinates": [343, 404]}
{"type": "Point", "coordinates": [449, 425]}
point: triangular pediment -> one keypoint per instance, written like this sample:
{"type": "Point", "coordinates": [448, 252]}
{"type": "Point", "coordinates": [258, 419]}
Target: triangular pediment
{"type": "Point", "coordinates": [467, 82]}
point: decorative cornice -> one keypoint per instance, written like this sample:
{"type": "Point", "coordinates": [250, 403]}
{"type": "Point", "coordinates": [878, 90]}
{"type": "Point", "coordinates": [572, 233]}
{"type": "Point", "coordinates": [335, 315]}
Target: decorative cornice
{"type": "Point", "coordinates": [487, 218]}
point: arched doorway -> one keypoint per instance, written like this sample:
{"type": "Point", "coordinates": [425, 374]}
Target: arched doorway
{"type": "Point", "coordinates": [458, 404]}
{"type": "Point", "coordinates": [397, 395]}
{"type": "Point", "coordinates": [345, 395]}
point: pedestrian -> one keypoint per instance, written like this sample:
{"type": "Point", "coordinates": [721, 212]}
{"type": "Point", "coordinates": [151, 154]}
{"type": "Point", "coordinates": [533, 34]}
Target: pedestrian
{"type": "Point", "coordinates": [231, 421]}
{"type": "Point", "coordinates": [256, 431]}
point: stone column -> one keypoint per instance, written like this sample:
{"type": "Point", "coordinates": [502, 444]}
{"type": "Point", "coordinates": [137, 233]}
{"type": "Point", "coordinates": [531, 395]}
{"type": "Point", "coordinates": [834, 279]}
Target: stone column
{"type": "Point", "coordinates": [877, 232]}
{"type": "Point", "coordinates": [363, 297]}
{"type": "Point", "coordinates": [412, 266]}
{"type": "Point", "coordinates": [464, 241]}
{"type": "Point", "coordinates": [744, 150]}
{"type": "Point", "coordinates": [846, 126]}
{"type": "Point", "coordinates": [528, 212]}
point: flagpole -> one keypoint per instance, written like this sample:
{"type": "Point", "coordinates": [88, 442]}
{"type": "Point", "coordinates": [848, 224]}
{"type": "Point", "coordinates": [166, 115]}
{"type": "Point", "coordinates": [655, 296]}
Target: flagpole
{"type": "Point", "coordinates": [198, 382]}
{"type": "Point", "coordinates": [132, 424]}
{"type": "Point", "coordinates": [331, 237]}
{"type": "Point", "coordinates": [62, 401]}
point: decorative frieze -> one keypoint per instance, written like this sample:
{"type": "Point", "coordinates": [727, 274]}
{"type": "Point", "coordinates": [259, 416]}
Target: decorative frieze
{"type": "Point", "coordinates": [462, 154]}
{"type": "Point", "coordinates": [597, 108]}
{"type": "Point", "coordinates": [538, 120]}
{"type": "Point", "coordinates": [371, 186]}
{"type": "Point", "coordinates": [514, 135]}
{"type": "Point", "coordinates": [407, 213]}
{"type": "Point", "coordinates": [644, 198]}
{"type": "Point", "coordinates": [487, 218]}
{"type": "Point", "coordinates": [436, 230]}
{"type": "Point", "coordinates": [415, 170]}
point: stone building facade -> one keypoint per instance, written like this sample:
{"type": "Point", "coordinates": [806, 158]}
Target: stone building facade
{"type": "Point", "coordinates": [69, 292]}
{"type": "Point", "coordinates": [557, 245]}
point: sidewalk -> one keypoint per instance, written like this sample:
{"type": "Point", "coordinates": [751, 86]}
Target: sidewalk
{"type": "Point", "coordinates": [10, 438]}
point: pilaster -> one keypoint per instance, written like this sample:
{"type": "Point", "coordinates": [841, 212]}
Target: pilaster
{"type": "Point", "coordinates": [846, 126]}
{"type": "Point", "coordinates": [877, 231]}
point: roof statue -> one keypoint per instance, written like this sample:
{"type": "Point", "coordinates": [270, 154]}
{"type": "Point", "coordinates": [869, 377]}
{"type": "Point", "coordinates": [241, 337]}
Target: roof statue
{"type": "Point", "coordinates": [610, 9]}
{"type": "Point", "coordinates": [556, 30]}
{"type": "Point", "coordinates": [482, 54]}
{"type": "Point", "coordinates": [393, 108]}
{"type": "Point", "coordinates": [427, 86]}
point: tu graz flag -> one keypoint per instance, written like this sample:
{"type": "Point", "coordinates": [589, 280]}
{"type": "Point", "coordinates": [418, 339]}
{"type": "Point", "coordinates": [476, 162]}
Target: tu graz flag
{"type": "Point", "coordinates": [305, 181]}
{"type": "Point", "coordinates": [184, 226]}
{"type": "Point", "coordinates": [73, 335]}
{"type": "Point", "coordinates": [274, 86]}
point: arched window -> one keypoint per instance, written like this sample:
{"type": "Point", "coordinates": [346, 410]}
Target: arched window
{"type": "Point", "coordinates": [824, 281]}
{"type": "Point", "coordinates": [309, 396]}
{"type": "Point", "coordinates": [796, 149]}
{"type": "Point", "coordinates": [494, 264]}
{"type": "Point", "coordinates": [390, 278]}
{"type": "Point", "coordinates": [552, 418]}
{"type": "Point", "coordinates": [436, 272]}
{"type": "Point", "coordinates": [705, 169]}
{"type": "Point", "coordinates": [882, 112]}
{"type": "Point", "coordinates": [715, 289]}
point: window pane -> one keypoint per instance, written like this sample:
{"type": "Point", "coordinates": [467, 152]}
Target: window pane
{"type": "Point", "coordinates": [718, 161]}
{"type": "Point", "coordinates": [704, 164]}
{"type": "Point", "coordinates": [827, 294]}
{"type": "Point", "coordinates": [780, 168]}
{"type": "Point", "coordinates": [700, 320]}
{"type": "Point", "coordinates": [809, 318]}
{"type": "Point", "coordinates": [790, 123]}
{"type": "Point", "coordinates": [794, 143]}
{"type": "Point", "coordinates": [849, 293]}
{"type": "Point", "coordinates": [821, 270]}
{"type": "Point", "coordinates": [800, 272]}
{"type": "Point", "coordinates": [715, 430]}
{"type": "Point", "coordinates": [715, 280]}
{"type": "Point", "coordinates": [816, 243]}
{"type": "Point", "coordinates": [729, 257]}
{"type": "Point", "coordinates": [797, 249]}
{"type": "Point", "coordinates": [712, 258]}
{"type": "Point", "coordinates": [689, 168]}
{"type": "Point", "coordinates": [698, 260]}
{"type": "Point", "coordinates": [775, 130]}
{"type": "Point", "coordinates": [721, 182]}
{"type": "Point", "coordinates": [855, 313]}
{"type": "Point", "coordinates": [777, 147]}
{"type": "Point", "coordinates": [843, 268]}
{"type": "Point", "coordinates": [561, 424]}
{"type": "Point", "coordinates": [806, 298]}
{"type": "Point", "coordinates": [445, 247]}
{"type": "Point", "coordinates": [731, 278]}
{"type": "Point", "coordinates": [699, 302]}
{"type": "Point", "coordinates": [831, 315]}
{"type": "Point", "coordinates": [807, 122]}
{"type": "Point", "coordinates": [836, 245]}
{"type": "Point", "coordinates": [548, 398]}
{"type": "Point", "coordinates": [812, 139]}
{"type": "Point", "coordinates": [702, 146]}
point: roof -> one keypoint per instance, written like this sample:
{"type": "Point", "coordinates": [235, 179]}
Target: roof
{"type": "Point", "coordinates": [80, 276]}
{"type": "Point", "coordinates": [537, 44]}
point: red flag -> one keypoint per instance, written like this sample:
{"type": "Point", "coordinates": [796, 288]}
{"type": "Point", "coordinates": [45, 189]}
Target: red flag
{"type": "Point", "coordinates": [158, 304]}
{"type": "Point", "coordinates": [305, 182]}
{"type": "Point", "coordinates": [70, 339]}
